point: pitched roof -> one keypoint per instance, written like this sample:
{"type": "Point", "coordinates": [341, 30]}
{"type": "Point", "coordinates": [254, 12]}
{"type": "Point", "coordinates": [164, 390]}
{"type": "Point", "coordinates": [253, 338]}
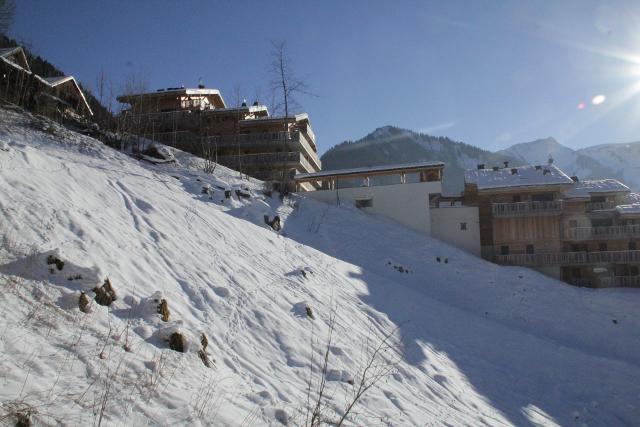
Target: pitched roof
{"type": "Point", "coordinates": [524, 176]}
{"type": "Point", "coordinates": [582, 189]}
{"type": "Point", "coordinates": [57, 81]}
{"type": "Point", "coordinates": [5, 53]}
{"type": "Point", "coordinates": [408, 167]}
{"type": "Point", "coordinates": [175, 91]}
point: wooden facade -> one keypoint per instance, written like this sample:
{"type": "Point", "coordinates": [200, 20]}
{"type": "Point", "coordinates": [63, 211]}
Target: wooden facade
{"type": "Point", "coordinates": [245, 138]}
{"type": "Point", "coordinates": [581, 239]}
{"type": "Point", "coordinates": [59, 98]}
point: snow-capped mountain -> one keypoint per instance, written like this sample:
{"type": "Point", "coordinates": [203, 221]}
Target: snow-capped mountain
{"type": "Point", "coordinates": [620, 161]}
{"type": "Point", "coordinates": [393, 145]}
{"type": "Point", "coordinates": [473, 343]}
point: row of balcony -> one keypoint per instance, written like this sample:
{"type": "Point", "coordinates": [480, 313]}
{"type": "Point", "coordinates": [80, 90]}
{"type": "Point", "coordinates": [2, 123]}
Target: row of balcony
{"type": "Point", "coordinates": [267, 140]}
{"type": "Point", "coordinates": [602, 233]}
{"type": "Point", "coordinates": [541, 208]}
{"type": "Point", "coordinates": [527, 208]}
{"type": "Point", "coordinates": [607, 282]}
{"type": "Point", "coordinates": [267, 160]}
{"type": "Point", "coordinates": [569, 258]}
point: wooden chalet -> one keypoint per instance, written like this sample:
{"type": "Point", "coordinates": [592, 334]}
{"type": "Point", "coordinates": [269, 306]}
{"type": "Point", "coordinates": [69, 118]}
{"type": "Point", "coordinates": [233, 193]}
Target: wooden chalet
{"type": "Point", "coordinates": [56, 97]}
{"type": "Point", "coordinates": [582, 232]}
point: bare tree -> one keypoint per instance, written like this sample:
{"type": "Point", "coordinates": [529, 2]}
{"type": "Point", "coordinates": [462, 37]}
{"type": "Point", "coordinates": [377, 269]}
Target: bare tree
{"type": "Point", "coordinates": [287, 86]}
{"type": "Point", "coordinates": [237, 90]}
{"type": "Point", "coordinates": [380, 358]}
{"type": "Point", "coordinates": [130, 121]}
{"type": "Point", "coordinates": [7, 11]}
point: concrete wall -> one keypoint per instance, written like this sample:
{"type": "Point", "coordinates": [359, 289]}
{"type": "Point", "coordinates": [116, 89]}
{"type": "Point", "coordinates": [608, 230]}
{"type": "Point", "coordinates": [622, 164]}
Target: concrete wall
{"type": "Point", "coordinates": [407, 204]}
{"type": "Point", "coordinates": [446, 226]}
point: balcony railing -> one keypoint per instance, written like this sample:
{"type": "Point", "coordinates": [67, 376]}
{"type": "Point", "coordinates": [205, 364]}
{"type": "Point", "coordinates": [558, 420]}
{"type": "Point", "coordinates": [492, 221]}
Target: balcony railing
{"type": "Point", "coordinates": [569, 258]}
{"type": "Point", "coordinates": [269, 140]}
{"type": "Point", "coordinates": [598, 206]}
{"type": "Point", "coordinates": [542, 259]}
{"type": "Point", "coordinates": [620, 281]}
{"type": "Point", "coordinates": [268, 160]}
{"type": "Point", "coordinates": [600, 233]}
{"type": "Point", "coordinates": [527, 208]}
{"type": "Point", "coordinates": [616, 257]}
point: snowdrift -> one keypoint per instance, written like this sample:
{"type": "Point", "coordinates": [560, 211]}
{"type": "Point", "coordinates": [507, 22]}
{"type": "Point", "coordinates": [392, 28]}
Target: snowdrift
{"type": "Point", "coordinates": [479, 344]}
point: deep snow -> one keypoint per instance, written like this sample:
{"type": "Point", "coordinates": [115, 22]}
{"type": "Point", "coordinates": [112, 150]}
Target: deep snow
{"type": "Point", "coordinates": [482, 344]}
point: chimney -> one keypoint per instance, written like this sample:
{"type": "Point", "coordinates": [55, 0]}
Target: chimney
{"type": "Point", "coordinates": [256, 103]}
{"type": "Point", "coordinates": [480, 166]}
{"type": "Point", "coordinates": [506, 164]}
{"type": "Point", "coordinates": [244, 103]}
{"type": "Point", "coordinates": [514, 171]}
{"type": "Point", "coordinates": [574, 178]}
{"type": "Point", "coordinates": [495, 168]}
{"type": "Point", "coordinates": [550, 161]}
{"type": "Point", "coordinates": [538, 167]}
{"type": "Point", "coordinates": [200, 86]}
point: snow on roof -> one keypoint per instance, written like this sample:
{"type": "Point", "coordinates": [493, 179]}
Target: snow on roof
{"type": "Point", "coordinates": [296, 117]}
{"type": "Point", "coordinates": [371, 169]}
{"type": "Point", "coordinates": [58, 80]}
{"type": "Point", "coordinates": [633, 209]}
{"type": "Point", "coordinates": [583, 189]}
{"type": "Point", "coordinates": [176, 90]}
{"type": "Point", "coordinates": [55, 81]}
{"type": "Point", "coordinates": [5, 53]}
{"type": "Point", "coordinates": [524, 176]}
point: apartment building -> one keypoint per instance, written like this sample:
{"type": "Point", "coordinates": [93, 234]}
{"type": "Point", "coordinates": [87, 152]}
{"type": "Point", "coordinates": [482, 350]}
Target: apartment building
{"type": "Point", "coordinates": [583, 232]}
{"type": "Point", "coordinates": [245, 138]}
{"type": "Point", "coordinates": [410, 194]}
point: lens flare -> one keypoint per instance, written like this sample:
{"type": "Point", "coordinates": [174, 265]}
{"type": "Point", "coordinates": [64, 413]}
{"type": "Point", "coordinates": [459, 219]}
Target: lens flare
{"type": "Point", "coordinates": [598, 99]}
{"type": "Point", "coordinates": [581, 106]}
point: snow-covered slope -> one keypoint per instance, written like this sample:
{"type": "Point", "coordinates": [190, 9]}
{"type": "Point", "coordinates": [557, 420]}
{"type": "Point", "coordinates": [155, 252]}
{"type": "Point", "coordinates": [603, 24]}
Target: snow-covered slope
{"type": "Point", "coordinates": [481, 344]}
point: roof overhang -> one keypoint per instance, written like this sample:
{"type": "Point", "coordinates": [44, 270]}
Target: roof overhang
{"type": "Point", "coordinates": [57, 81]}
{"type": "Point", "coordinates": [369, 171]}
{"type": "Point", "coordinates": [176, 92]}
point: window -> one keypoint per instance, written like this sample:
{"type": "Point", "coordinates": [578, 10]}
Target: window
{"type": "Point", "coordinates": [573, 223]}
{"type": "Point", "coordinates": [602, 247]}
{"type": "Point", "coordinates": [364, 203]}
{"type": "Point", "coordinates": [633, 270]}
{"type": "Point", "coordinates": [633, 246]}
{"type": "Point", "coordinates": [504, 250]}
{"type": "Point", "coordinates": [576, 273]}
{"type": "Point", "coordinates": [601, 222]}
{"type": "Point", "coordinates": [463, 226]}
{"type": "Point", "coordinates": [517, 198]}
{"type": "Point", "coordinates": [542, 197]}
{"type": "Point", "coordinates": [529, 249]}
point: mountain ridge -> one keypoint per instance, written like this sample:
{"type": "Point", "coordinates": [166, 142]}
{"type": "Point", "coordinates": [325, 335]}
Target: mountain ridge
{"type": "Point", "coordinates": [390, 144]}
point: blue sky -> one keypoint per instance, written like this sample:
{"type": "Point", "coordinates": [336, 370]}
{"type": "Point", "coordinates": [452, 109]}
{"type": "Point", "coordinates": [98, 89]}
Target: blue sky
{"type": "Point", "coordinates": [489, 73]}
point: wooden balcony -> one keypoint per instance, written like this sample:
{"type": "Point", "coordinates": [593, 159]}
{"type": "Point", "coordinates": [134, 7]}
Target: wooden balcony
{"type": "Point", "coordinates": [614, 257]}
{"type": "Point", "coordinates": [269, 141]}
{"type": "Point", "coordinates": [607, 282]}
{"type": "Point", "coordinates": [600, 206]}
{"type": "Point", "coordinates": [603, 233]}
{"type": "Point", "coordinates": [505, 210]}
{"type": "Point", "coordinates": [542, 259]}
{"type": "Point", "coordinates": [292, 159]}
{"type": "Point", "coordinates": [569, 258]}
{"type": "Point", "coordinates": [620, 282]}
